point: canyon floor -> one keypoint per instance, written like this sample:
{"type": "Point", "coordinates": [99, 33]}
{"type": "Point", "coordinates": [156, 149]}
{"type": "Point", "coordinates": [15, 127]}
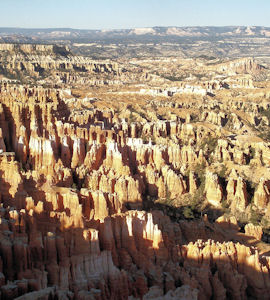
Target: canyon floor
{"type": "Point", "coordinates": [133, 178]}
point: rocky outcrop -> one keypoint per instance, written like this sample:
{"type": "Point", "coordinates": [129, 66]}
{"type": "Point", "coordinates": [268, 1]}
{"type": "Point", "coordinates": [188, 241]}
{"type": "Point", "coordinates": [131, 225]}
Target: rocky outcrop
{"type": "Point", "coordinates": [262, 194]}
{"type": "Point", "coordinates": [253, 230]}
{"type": "Point", "coordinates": [182, 293]}
{"type": "Point", "coordinates": [240, 66]}
{"type": "Point", "coordinates": [80, 182]}
{"type": "Point", "coordinates": [239, 201]}
{"type": "Point", "coordinates": [227, 222]}
{"type": "Point", "coordinates": [32, 48]}
{"type": "Point", "coordinates": [213, 190]}
{"type": "Point", "coordinates": [147, 247]}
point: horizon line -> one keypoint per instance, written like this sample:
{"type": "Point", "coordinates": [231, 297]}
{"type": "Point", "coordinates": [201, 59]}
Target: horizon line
{"type": "Point", "coordinates": [130, 28]}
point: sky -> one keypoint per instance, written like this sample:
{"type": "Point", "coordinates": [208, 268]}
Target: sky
{"type": "Point", "coordinates": [118, 14]}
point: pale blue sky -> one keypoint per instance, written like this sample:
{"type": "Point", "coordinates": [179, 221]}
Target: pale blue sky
{"type": "Point", "coordinates": [104, 14]}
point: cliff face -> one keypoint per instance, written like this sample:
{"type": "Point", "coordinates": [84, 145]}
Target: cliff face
{"type": "Point", "coordinates": [55, 65]}
{"type": "Point", "coordinates": [240, 66]}
{"type": "Point", "coordinates": [90, 148]}
{"type": "Point", "coordinates": [34, 48]}
{"type": "Point", "coordinates": [75, 182]}
{"type": "Point", "coordinates": [121, 255]}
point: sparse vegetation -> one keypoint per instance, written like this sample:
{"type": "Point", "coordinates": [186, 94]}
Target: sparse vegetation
{"type": "Point", "coordinates": [73, 164]}
{"type": "Point", "coordinates": [266, 113]}
{"type": "Point", "coordinates": [252, 152]}
{"type": "Point", "coordinates": [222, 171]}
{"type": "Point", "coordinates": [210, 142]}
{"type": "Point", "coordinates": [74, 186]}
{"type": "Point", "coordinates": [255, 217]}
{"type": "Point", "coordinates": [131, 117]}
{"type": "Point", "coordinates": [188, 212]}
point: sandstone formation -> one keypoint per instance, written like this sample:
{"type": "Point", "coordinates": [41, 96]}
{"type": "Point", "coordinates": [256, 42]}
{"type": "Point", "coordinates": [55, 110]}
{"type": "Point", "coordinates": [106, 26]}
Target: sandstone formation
{"type": "Point", "coordinates": [113, 190]}
{"type": "Point", "coordinates": [255, 231]}
{"type": "Point", "coordinates": [239, 66]}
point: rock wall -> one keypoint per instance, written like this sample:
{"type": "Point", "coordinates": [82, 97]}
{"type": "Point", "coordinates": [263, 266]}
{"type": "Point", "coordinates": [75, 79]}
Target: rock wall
{"type": "Point", "coordinates": [70, 182]}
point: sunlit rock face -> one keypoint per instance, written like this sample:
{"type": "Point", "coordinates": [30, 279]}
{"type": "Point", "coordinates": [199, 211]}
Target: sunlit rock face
{"type": "Point", "coordinates": [120, 255]}
{"type": "Point", "coordinates": [105, 194]}
{"type": "Point", "coordinates": [213, 190]}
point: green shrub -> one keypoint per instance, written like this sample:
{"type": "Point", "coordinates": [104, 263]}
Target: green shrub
{"type": "Point", "coordinates": [188, 212]}
{"type": "Point", "coordinates": [131, 117]}
{"type": "Point", "coordinates": [222, 172]}
{"type": "Point", "coordinates": [211, 142]}
{"type": "Point", "coordinates": [266, 113]}
{"type": "Point", "coordinates": [252, 152]}
{"type": "Point", "coordinates": [74, 186]}
{"type": "Point", "coordinates": [255, 217]}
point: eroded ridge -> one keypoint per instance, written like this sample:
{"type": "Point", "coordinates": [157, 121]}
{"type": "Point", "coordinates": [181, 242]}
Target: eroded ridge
{"type": "Point", "coordinates": [143, 189]}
